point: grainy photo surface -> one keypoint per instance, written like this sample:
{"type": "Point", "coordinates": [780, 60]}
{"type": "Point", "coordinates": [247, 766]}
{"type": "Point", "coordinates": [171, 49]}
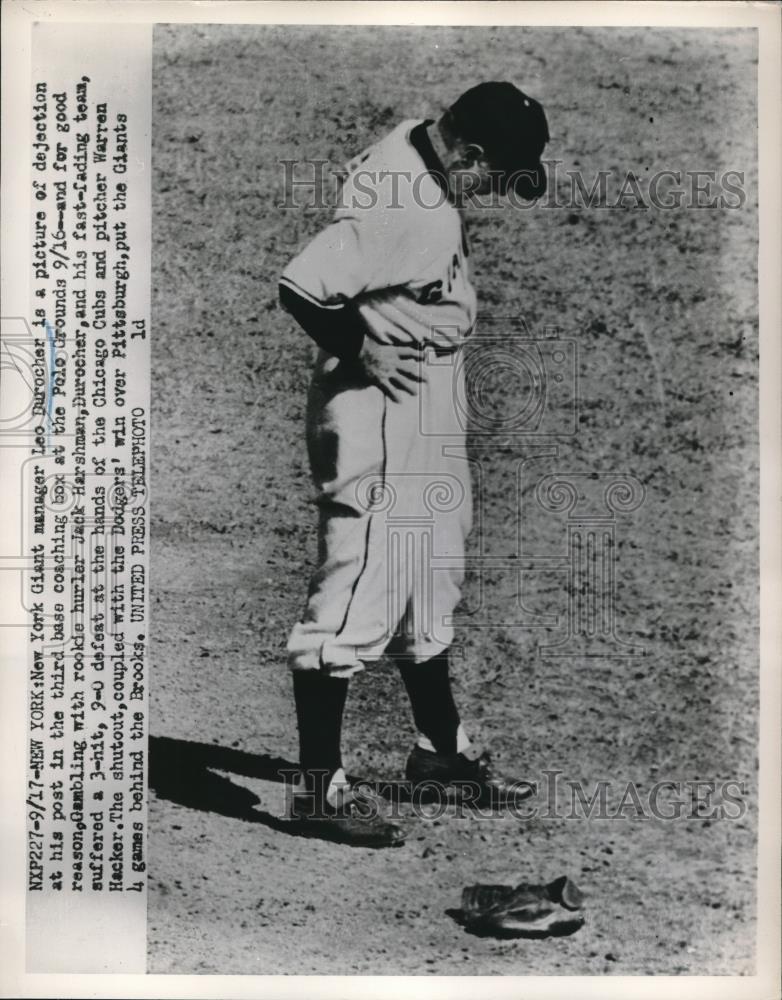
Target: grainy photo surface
{"type": "Point", "coordinates": [521, 522]}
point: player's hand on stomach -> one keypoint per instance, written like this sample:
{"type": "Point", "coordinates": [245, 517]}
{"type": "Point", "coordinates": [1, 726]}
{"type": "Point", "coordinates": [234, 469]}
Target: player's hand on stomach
{"type": "Point", "coordinates": [396, 369]}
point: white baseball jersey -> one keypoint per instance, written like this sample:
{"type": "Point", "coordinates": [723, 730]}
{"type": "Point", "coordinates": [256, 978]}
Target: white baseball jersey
{"type": "Point", "coordinates": [396, 248]}
{"type": "Point", "coordinates": [392, 477]}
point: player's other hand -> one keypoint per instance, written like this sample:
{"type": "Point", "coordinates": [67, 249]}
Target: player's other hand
{"type": "Point", "coordinates": [397, 370]}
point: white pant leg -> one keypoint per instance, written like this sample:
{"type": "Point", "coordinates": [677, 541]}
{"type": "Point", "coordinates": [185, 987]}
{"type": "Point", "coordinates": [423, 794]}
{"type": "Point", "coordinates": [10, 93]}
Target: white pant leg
{"type": "Point", "coordinates": [395, 508]}
{"type": "Point", "coordinates": [439, 507]}
{"type": "Point", "coordinates": [345, 619]}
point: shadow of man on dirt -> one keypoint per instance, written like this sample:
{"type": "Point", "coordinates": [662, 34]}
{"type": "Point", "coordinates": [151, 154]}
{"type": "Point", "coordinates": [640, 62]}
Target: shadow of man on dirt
{"type": "Point", "coordinates": [183, 772]}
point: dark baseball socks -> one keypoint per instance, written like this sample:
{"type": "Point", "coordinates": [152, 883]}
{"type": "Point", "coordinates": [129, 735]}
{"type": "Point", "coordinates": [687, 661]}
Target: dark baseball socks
{"type": "Point", "coordinates": [320, 704]}
{"type": "Point", "coordinates": [434, 710]}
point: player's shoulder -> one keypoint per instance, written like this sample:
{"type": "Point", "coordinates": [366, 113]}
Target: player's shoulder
{"type": "Point", "coordinates": [388, 184]}
{"type": "Point", "coordinates": [391, 152]}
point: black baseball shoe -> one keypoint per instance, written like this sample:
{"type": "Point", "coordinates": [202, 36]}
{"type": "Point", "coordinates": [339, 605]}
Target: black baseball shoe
{"type": "Point", "coordinates": [467, 777]}
{"type": "Point", "coordinates": [355, 820]}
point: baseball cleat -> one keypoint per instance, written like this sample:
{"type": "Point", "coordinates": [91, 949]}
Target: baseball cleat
{"type": "Point", "coordinates": [527, 911]}
{"type": "Point", "coordinates": [355, 820]}
{"type": "Point", "coordinates": [467, 777]}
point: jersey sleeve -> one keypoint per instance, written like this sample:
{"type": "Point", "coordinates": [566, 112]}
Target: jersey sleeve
{"type": "Point", "coordinates": [384, 235]}
{"type": "Point", "coordinates": [337, 329]}
{"type": "Point", "coordinates": [335, 266]}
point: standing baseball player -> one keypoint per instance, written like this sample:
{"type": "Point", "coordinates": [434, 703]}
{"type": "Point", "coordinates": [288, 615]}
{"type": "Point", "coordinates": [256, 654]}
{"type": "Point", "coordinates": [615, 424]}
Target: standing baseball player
{"type": "Point", "coordinates": [385, 293]}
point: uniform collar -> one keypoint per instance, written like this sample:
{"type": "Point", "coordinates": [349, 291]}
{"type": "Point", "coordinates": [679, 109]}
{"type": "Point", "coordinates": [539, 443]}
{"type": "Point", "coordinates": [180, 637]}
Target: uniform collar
{"type": "Point", "coordinates": [422, 144]}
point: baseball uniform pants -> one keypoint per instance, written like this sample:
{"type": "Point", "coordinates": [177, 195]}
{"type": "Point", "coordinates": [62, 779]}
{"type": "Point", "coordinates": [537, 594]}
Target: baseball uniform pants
{"type": "Point", "coordinates": [394, 509]}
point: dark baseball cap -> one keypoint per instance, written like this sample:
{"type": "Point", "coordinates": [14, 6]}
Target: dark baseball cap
{"type": "Point", "coordinates": [512, 129]}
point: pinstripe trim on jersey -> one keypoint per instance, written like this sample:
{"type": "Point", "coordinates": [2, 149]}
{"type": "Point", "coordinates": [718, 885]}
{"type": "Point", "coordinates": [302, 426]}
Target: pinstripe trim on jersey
{"type": "Point", "coordinates": [369, 524]}
{"type": "Point", "coordinates": [422, 144]}
{"type": "Point", "coordinates": [295, 287]}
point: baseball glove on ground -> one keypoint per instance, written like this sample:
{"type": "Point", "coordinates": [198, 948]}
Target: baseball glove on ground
{"type": "Point", "coordinates": [526, 911]}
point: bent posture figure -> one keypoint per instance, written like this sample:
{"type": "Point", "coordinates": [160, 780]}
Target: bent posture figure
{"type": "Point", "coordinates": [385, 293]}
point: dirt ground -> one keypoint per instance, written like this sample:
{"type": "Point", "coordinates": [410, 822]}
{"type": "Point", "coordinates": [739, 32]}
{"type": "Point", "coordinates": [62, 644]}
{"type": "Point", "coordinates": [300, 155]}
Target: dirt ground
{"type": "Point", "coordinates": [662, 306]}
